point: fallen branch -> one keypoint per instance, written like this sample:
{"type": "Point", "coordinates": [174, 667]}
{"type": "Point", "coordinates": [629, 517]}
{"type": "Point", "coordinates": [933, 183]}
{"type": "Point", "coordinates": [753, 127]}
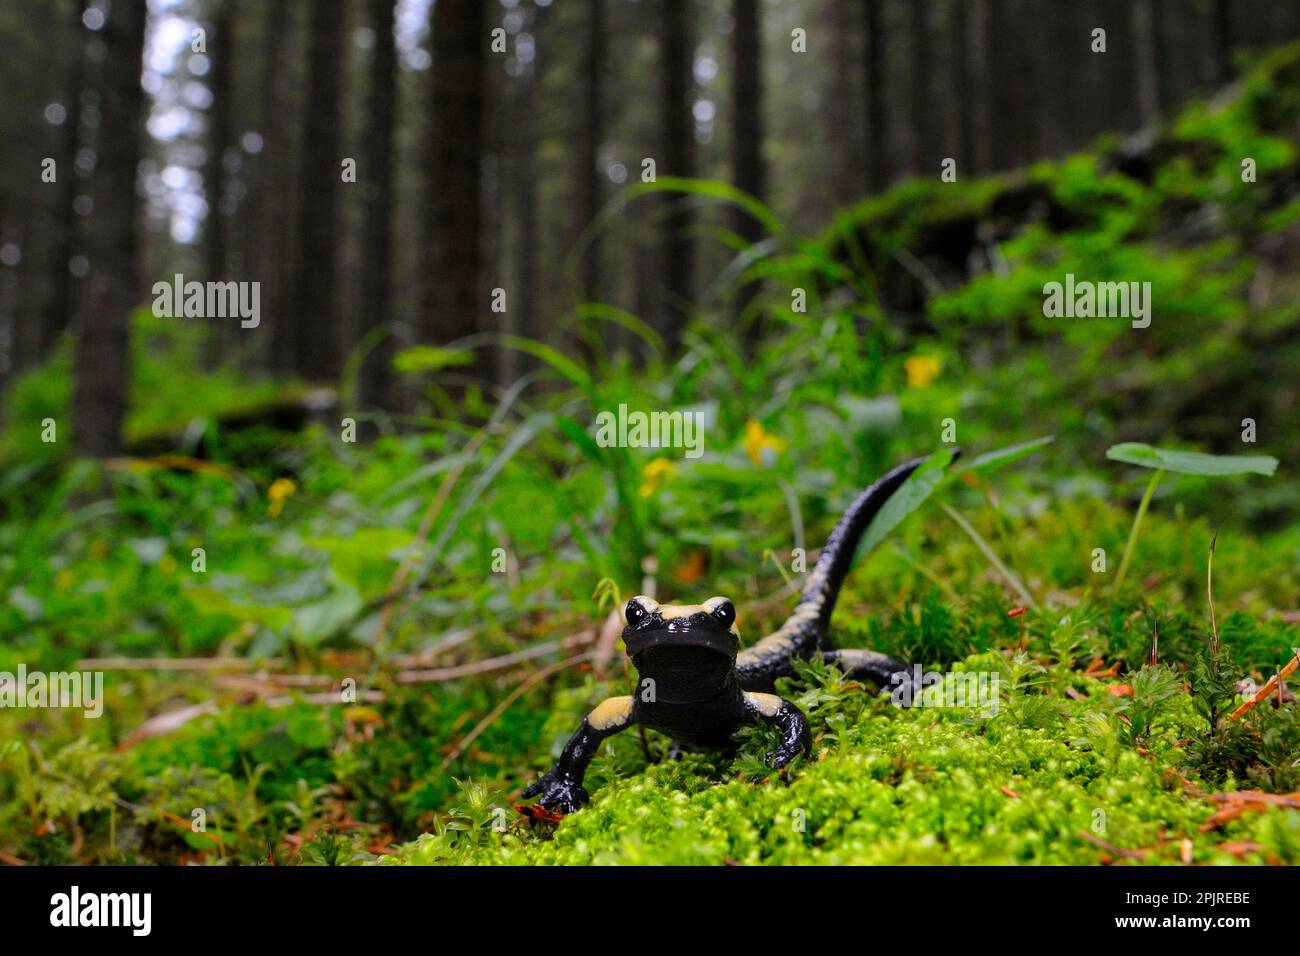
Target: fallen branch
{"type": "Point", "coordinates": [1272, 685]}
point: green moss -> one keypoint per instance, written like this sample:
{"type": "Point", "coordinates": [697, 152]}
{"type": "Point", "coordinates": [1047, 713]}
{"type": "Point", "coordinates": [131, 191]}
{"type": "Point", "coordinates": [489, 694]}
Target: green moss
{"type": "Point", "coordinates": [889, 785]}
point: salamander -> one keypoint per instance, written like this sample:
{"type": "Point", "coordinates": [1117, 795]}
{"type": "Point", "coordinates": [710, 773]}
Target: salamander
{"type": "Point", "coordinates": [699, 687]}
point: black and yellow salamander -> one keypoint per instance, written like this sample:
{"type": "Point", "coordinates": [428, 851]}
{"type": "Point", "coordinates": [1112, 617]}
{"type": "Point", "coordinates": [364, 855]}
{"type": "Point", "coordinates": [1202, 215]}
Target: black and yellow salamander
{"type": "Point", "coordinates": [697, 686]}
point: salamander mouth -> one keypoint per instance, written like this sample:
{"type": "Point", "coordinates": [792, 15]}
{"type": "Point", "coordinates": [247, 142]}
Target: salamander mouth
{"type": "Point", "coordinates": [720, 642]}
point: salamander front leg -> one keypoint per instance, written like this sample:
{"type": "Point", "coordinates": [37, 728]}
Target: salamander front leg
{"type": "Point", "coordinates": [789, 719]}
{"type": "Point", "coordinates": [561, 788]}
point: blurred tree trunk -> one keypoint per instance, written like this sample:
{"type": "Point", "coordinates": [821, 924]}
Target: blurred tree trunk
{"type": "Point", "coordinates": [590, 136]}
{"type": "Point", "coordinates": [747, 129]}
{"type": "Point", "coordinates": [677, 136]}
{"type": "Point", "coordinates": [378, 174]}
{"type": "Point", "coordinates": [1146, 61]}
{"type": "Point", "coordinates": [59, 303]}
{"type": "Point", "coordinates": [313, 314]}
{"type": "Point", "coordinates": [275, 246]}
{"type": "Point", "coordinates": [977, 92]}
{"type": "Point", "coordinates": [101, 370]}
{"type": "Point", "coordinates": [221, 54]}
{"type": "Point", "coordinates": [1007, 107]}
{"type": "Point", "coordinates": [527, 172]}
{"type": "Point", "coordinates": [836, 20]}
{"type": "Point", "coordinates": [920, 157]}
{"type": "Point", "coordinates": [1222, 39]}
{"type": "Point", "coordinates": [451, 307]}
{"type": "Point", "coordinates": [877, 136]}
{"type": "Point", "coordinates": [1173, 81]}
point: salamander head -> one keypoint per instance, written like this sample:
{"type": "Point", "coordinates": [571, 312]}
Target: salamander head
{"type": "Point", "coordinates": [710, 626]}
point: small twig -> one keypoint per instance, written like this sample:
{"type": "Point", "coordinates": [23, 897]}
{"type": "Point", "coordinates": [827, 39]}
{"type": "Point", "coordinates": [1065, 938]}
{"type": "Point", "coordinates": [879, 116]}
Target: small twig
{"type": "Point", "coordinates": [426, 656]}
{"type": "Point", "coordinates": [175, 663]}
{"type": "Point", "coordinates": [494, 663]}
{"type": "Point", "coordinates": [500, 708]}
{"type": "Point", "coordinates": [1117, 850]}
{"type": "Point", "coordinates": [1209, 592]}
{"type": "Point", "coordinates": [610, 632]}
{"type": "Point", "coordinates": [1263, 692]}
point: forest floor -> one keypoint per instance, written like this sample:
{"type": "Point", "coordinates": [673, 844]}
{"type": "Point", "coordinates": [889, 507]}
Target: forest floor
{"type": "Point", "coordinates": [317, 651]}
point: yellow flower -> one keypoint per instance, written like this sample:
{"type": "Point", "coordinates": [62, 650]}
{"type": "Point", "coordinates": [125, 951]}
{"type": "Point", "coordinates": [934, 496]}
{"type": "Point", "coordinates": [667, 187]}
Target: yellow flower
{"type": "Point", "coordinates": [922, 370]}
{"type": "Point", "coordinates": [281, 489]}
{"type": "Point", "coordinates": [656, 472]}
{"type": "Point", "coordinates": [761, 447]}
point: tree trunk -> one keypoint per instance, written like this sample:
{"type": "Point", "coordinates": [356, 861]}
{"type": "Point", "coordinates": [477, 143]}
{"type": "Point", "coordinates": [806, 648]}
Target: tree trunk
{"type": "Point", "coordinates": [977, 93]}
{"type": "Point", "coordinates": [590, 177]}
{"type": "Point", "coordinates": [1221, 31]}
{"type": "Point", "coordinates": [677, 136]}
{"type": "Point", "coordinates": [221, 54]}
{"type": "Point", "coordinates": [846, 184]}
{"type": "Point", "coordinates": [920, 159]}
{"type": "Point", "coordinates": [451, 307]}
{"type": "Point", "coordinates": [378, 175]}
{"type": "Point", "coordinates": [1145, 60]}
{"type": "Point", "coordinates": [315, 318]}
{"type": "Point", "coordinates": [60, 300]}
{"type": "Point", "coordinates": [275, 189]}
{"type": "Point", "coordinates": [747, 169]}
{"type": "Point", "coordinates": [877, 130]}
{"type": "Point", "coordinates": [102, 358]}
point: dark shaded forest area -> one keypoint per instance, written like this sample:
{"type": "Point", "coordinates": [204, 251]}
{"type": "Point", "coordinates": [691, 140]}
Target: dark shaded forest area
{"type": "Point", "coordinates": [329, 335]}
{"type": "Point", "coordinates": [380, 169]}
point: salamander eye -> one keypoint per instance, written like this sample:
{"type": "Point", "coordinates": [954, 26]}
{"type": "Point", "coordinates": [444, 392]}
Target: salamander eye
{"type": "Point", "coordinates": [634, 612]}
{"type": "Point", "coordinates": [726, 613]}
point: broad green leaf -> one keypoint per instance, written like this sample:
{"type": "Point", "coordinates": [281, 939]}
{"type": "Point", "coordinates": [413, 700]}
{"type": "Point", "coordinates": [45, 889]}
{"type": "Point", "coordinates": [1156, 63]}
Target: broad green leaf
{"type": "Point", "coordinates": [1191, 462]}
{"type": "Point", "coordinates": [910, 496]}
{"type": "Point", "coordinates": [313, 623]}
{"type": "Point", "coordinates": [993, 460]}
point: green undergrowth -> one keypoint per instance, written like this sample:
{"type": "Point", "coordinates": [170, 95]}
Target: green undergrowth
{"type": "Point", "coordinates": [906, 786]}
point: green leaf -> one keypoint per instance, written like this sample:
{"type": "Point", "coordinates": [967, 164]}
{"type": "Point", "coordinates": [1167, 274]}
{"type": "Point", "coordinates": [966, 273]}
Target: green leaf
{"type": "Point", "coordinates": [1191, 462]}
{"type": "Point", "coordinates": [910, 496]}
{"type": "Point", "coordinates": [430, 358]}
{"type": "Point", "coordinates": [552, 357]}
{"type": "Point", "coordinates": [313, 623]}
{"type": "Point", "coordinates": [578, 435]}
{"type": "Point", "coordinates": [992, 460]}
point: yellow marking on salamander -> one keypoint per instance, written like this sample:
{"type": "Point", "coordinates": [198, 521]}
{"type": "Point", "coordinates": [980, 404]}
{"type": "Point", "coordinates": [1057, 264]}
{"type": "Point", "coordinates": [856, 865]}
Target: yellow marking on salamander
{"type": "Point", "coordinates": [670, 612]}
{"type": "Point", "coordinates": [611, 713]}
{"type": "Point", "coordinates": [765, 704]}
